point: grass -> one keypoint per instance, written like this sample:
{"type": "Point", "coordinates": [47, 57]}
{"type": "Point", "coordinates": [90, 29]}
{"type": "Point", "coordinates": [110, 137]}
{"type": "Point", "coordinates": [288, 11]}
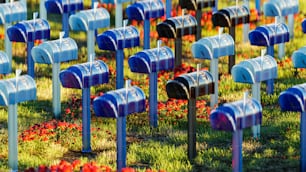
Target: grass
{"type": "Point", "coordinates": [164, 147]}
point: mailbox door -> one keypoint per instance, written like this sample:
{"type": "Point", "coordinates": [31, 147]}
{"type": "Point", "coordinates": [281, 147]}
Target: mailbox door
{"type": "Point", "coordinates": [299, 58]}
{"type": "Point", "coordinates": [293, 99]}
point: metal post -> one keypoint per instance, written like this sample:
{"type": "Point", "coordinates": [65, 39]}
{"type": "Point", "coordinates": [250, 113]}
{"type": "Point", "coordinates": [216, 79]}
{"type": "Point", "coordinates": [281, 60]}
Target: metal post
{"type": "Point", "coordinates": [303, 142]}
{"type": "Point", "coordinates": [121, 143]}
{"type": "Point", "coordinates": [246, 27]}
{"type": "Point", "coordinates": [256, 95]}
{"type": "Point", "coordinates": [199, 27]}
{"type": "Point", "coordinates": [118, 17]}
{"type": "Point", "coordinates": [281, 46]}
{"type": "Point", "coordinates": [215, 74]}
{"type": "Point", "coordinates": [257, 6]}
{"type": "Point", "coordinates": [178, 51]}
{"type": "Point", "coordinates": [270, 51]}
{"type": "Point", "coordinates": [86, 120]}
{"type": "Point", "coordinates": [168, 8]}
{"type": "Point", "coordinates": [291, 25]}
{"type": "Point", "coordinates": [30, 61]}
{"type": "Point", "coordinates": [42, 10]}
{"type": "Point", "coordinates": [153, 100]}
{"type": "Point", "coordinates": [90, 43]}
{"type": "Point", "coordinates": [231, 59]}
{"type": "Point", "coordinates": [8, 46]}
{"type": "Point", "coordinates": [192, 150]}
{"type": "Point", "coordinates": [56, 90]}
{"type": "Point", "coordinates": [215, 9]}
{"type": "Point", "coordinates": [119, 67]}
{"type": "Point", "coordinates": [13, 137]}
{"type": "Point", "coordinates": [237, 151]}
{"type": "Point", "coordinates": [146, 28]}
{"type": "Point", "coordinates": [65, 24]}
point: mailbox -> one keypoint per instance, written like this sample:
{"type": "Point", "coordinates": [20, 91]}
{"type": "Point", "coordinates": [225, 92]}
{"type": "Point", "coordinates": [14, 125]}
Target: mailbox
{"type": "Point", "coordinates": [119, 38]}
{"type": "Point", "coordinates": [299, 58]}
{"type": "Point", "coordinates": [25, 91]}
{"type": "Point", "coordinates": [28, 31]}
{"type": "Point", "coordinates": [4, 63]}
{"type": "Point", "coordinates": [197, 4]}
{"type": "Point", "coordinates": [113, 1]}
{"type": "Point", "coordinates": [231, 16]}
{"type": "Point", "coordinates": [152, 60]}
{"type": "Point", "coordinates": [213, 47]}
{"type": "Point", "coordinates": [85, 75]}
{"type": "Point", "coordinates": [89, 19]}
{"type": "Point", "coordinates": [235, 116]}
{"type": "Point", "coordinates": [280, 7]}
{"type": "Point", "coordinates": [177, 27]}
{"type": "Point", "coordinates": [55, 51]}
{"type": "Point", "coordinates": [304, 25]}
{"type": "Point", "coordinates": [255, 70]}
{"type": "Point", "coordinates": [13, 12]}
{"type": "Point", "coordinates": [269, 35]}
{"type": "Point", "coordinates": [63, 6]}
{"type": "Point", "coordinates": [293, 99]}
{"type": "Point", "coordinates": [190, 85]}
{"type": "Point", "coordinates": [144, 10]}
{"type": "Point", "coordinates": [113, 104]}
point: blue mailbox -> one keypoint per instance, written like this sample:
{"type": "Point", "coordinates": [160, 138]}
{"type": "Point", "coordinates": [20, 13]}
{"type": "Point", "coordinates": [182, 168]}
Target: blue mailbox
{"type": "Point", "coordinates": [4, 63]}
{"type": "Point", "coordinates": [55, 52]}
{"type": "Point", "coordinates": [304, 25]}
{"type": "Point", "coordinates": [294, 99]}
{"type": "Point", "coordinates": [13, 12]}
{"type": "Point", "coordinates": [113, 1]}
{"type": "Point", "coordinates": [12, 92]}
{"type": "Point", "coordinates": [299, 58]}
{"type": "Point", "coordinates": [234, 117]}
{"type": "Point", "coordinates": [190, 86]}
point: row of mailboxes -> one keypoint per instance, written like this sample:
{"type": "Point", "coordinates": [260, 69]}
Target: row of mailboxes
{"type": "Point", "coordinates": [119, 38]}
{"type": "Point", "coordinates": [176, 27]}
{"type": "Point", "coordinates": [299, 58]}
{"type": "Point", "coordinates": [236, 115]}
{"type": "Point", "coordinates": [144, 10]}
{"type": "Point", "coordinates": [255, 70]}
{"type": "Point", "coordinates": [89, 19]}
{"type": "Point", "coordinates": [231, 16]}
{"type": "Point", "coordinates": [213, 47]}
{"type": "Point", "coordinates": [191, 85]}
{"type": "Point", "coordinates": [13, 91]}
{"type": "Point", "coordinates": [304, 25]}
{"type": "Point", "coordinates": [63, 6]}
{"type": "Point", "coordinates": [197, 4]}
{"type": "Point", "coordinates": [269, 35]}
{"type": "Point", "coordinates": [293, 99]}
{"type": "Point", "coordinates": [152, 60]}
{"type": "Point", "coordinates": [85, 75]}
{"type": "Point", "coordinates": [4, 63]}
{"type": "Point", "coordinates": [29, 31]}
{"type": "Point", "coordinates": [280, 7]}
{"type": "Point", "coordinates": [13, 12]}
{"type": "Point", "coordinates": [120, 102]}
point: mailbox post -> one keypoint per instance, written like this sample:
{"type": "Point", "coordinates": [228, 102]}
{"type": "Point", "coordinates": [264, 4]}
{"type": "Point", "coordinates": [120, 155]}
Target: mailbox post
{"type": "Point", "coordinates": [11, 12]}
{"type": "Point", "coordinates": [151, 62]}
{"type": "Point", "coordinates": [55, 52]}
{"type": "Point", "coordinates": [12, 92]}
{"type": "Point", "coordinates": [118, 104]}
{"type": "Point", "coordinates": [254, 71]}
{"type": "Point", "coordinates": [198, 5]}
{"type": "Point", "coordinates": [4, 63]}
{"type": "Point", "coordinates": [144, 11]}
{"type": "Point", "coordinates": [230, 17]}
{"type": "Point", "coordinates": [189, 87]}
{"type": "Point", "coordinates": [234, 117]}
{"type": "Point", "coordinates": [294, 99]}
{"type": "Point", "coordinates": [304, 25]}
{"type": "Point", "coordinates": [83, 76]}
{"type": "Point", "coordinates": [176, 28]}
{"type": "Point", "coordinates": [64, 8]}
{"type": "Point", "coordinates": [212, 48]}
{"type": "Point", "coordinates": [28, 31]}
{"type": "Point", "coordinates": [90, 20]}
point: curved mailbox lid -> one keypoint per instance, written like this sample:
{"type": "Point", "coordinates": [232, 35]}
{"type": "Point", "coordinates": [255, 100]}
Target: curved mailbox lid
{"type": "Point", "coordinates": [196, 4]}
{"type": "Point", "coordinates": [113, 1]}
{"type": "Point", "coordinates": [280, 7]}
{"type": "Point", "coordinates": [299, 58]}
{"type": "Point", "coordinates": [28, 31]}
{"type": "Point", "coordinates": [119, 38]}
{"type": "Point", "coordinates": [231, 16]}
{"type": "Point", "coordinates": [255, 70]}
{"type": "Point", "coordinates": [50, 52]}
{"type": "Point", "coordinates": [148, 61]}
{"type": "Point", "coordinates": [304, 25]}
{"type": "Point", "coordinates": [89, 20]}
{"type": "Point", "coordinates": [176, 26]}
{"type": "Point", "coordinates": [13, 13]}
{"type": "Point", "coordinates": [63, 6]}
{"type": "Point", "coordinates": [26, 90]}
{"type": "Point", "coordinates": [293, 99]}
{"type": "Point", "coordinates": [213, 47]}
{"type": "Point", "coordinates": [147, 9]}
{"type": "Point", "coordinates": [4, 63]}
{"type": "Point", "coordinates": [231, 116]}
{"type": "Point", "coordinates": [113, 103]}
{"type": "Point", "coordinates": [79, 76]}
{"type": "Point", "coordinates": [186, 86]}
{"type": "Point", "coordinates": [269, 35]}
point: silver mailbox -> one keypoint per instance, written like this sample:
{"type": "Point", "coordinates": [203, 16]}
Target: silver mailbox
{"type": "Point", "coordinates": [299, 58]}
{"type": "Point", "coordinates": [280, 7]}
{"type": "Point", "coordinates": [13, 12]}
